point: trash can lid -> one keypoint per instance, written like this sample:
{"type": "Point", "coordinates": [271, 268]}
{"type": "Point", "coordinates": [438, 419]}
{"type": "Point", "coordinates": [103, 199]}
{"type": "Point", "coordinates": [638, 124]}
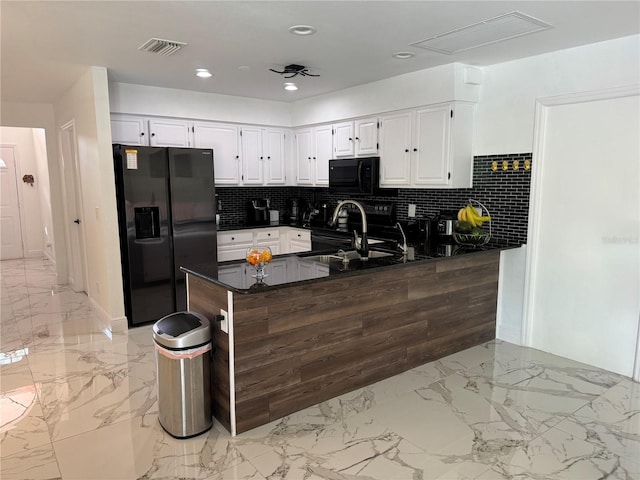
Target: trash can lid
{"type": "Point", "coordinates": [182, 330]}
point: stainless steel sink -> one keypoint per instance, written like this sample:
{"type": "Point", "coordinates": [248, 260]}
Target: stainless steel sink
{"type": "Point", "coordinates": [344, 256]}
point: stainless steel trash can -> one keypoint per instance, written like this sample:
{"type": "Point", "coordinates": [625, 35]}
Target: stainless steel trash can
{"type": "Point", "coordinates": [183, 360]}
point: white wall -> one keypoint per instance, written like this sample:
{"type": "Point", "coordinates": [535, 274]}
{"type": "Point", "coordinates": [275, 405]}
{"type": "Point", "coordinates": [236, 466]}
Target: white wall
{"type": "Point", "coordinates": [31, 216]}
{"type": "Point", "coordinates": [38, 115]}
{"type": "Point", "coordinates": [434, 85]}
{"type": "Point", "coordinates": [44, 187]}
{"type": "Point", "coordinates": [504, 121]}
{"type": "Point", "coordinates": [86, 103]}
{"type": "Point", "coordinates": [171, 102]}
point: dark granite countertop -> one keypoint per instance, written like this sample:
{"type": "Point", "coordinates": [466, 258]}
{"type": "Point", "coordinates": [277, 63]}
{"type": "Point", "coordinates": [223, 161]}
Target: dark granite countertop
{"type": "Point", "coordinates": [227, 228]}
{"type": "Point", "coordinates": [292, 269]}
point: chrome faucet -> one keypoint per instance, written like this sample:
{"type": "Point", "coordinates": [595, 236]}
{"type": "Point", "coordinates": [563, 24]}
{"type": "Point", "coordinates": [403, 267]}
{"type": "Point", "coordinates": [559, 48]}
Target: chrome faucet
{"type": "Point", "coordinates": [404, 247]}
{"type": "Point", "coordinates": [361, 243]}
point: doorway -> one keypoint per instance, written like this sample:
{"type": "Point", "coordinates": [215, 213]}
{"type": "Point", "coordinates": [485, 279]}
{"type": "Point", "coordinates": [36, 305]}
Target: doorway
{"type": "Point", "coordinates": [11, 225]}
{"type": "Point", "coordinates": [73, 208]}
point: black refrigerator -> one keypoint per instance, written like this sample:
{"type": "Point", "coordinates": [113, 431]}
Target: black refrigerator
{"type": "Point", "coordinates": [167, 219]}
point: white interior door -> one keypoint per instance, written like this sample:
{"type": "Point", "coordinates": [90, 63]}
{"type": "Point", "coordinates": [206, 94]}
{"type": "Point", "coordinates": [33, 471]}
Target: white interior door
{"type": "Point", "coordinates": [73, 209]}
{"type": "Point", "coordinates": [583, 266]}
{"type": "Point", "coordinates": [10, 225]}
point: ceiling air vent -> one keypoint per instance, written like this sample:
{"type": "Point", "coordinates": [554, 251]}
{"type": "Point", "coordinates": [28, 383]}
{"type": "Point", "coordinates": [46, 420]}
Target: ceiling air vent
{"type": "Point", "coordinates": [161, 47]}
{"type": "Point", "coordinates": [493, 30]}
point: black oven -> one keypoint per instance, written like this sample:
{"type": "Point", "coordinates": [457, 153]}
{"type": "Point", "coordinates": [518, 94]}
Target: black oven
{"type": "Point", "coordinates": [355, 176]}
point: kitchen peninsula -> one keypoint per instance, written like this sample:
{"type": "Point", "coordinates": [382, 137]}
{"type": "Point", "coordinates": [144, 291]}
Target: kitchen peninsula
{"type": "Point", "coordinates": [318, 329]}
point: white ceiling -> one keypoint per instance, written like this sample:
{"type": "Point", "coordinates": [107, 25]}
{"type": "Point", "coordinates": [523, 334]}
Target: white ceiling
{"type": "Point", "coordinates": [46, 46]}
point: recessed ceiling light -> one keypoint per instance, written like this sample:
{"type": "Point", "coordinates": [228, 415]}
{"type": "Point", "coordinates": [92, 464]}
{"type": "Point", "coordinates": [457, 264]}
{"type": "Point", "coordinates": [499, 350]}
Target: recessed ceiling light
{"type": "Point", "coordinates": [203, 72]}
{"type": "Point", "coordinates": [403, 55]}
{"type": "Point", "coordinates": [290, 86]}
{"type": "Point", "coordinates": [302, 30]}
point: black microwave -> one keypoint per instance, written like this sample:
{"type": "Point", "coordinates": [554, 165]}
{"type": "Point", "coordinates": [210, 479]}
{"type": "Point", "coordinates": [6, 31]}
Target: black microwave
{"type": "Point", "coordinates": [355, 176]}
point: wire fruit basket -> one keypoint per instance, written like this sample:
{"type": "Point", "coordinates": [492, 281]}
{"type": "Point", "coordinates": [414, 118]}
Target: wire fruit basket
{"type": "Point", "coordinates": [475, 238]}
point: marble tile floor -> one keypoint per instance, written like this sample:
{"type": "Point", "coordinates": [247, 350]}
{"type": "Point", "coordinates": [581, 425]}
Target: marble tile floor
{"type": "Point", "coordinates": [79, 402]}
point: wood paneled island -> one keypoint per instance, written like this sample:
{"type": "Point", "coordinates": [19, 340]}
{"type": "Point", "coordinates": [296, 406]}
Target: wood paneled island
{"type": "Point", "coordinates": [321, 334]}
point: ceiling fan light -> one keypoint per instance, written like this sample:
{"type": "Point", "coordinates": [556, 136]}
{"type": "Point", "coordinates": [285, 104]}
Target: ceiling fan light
{"type": "Point", "coordinates": [203, 73]}
{"type": "Point", "coordinates": [290, 86]}
{"type": "Point", "coordinates": [302, 30]}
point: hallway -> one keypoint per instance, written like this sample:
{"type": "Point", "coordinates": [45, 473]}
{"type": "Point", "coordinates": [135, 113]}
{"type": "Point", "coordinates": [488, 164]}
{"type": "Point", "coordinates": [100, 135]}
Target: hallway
{"type": "Point", "coordinates": [79, 402]}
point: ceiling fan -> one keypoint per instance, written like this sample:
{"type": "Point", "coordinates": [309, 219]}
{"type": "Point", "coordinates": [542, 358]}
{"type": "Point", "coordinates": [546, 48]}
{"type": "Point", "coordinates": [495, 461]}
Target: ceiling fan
{"type": "Point", "coordinates": [293, 70]}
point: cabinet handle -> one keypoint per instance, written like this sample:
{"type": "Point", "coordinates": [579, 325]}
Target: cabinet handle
{"type": "Point", "coordinates": [309, 158]}
{"type": "Point", "coordinates": [357, 139]}
{"type": "Point", "coordinates": [268, 158]}
{"type": "Point", "coordinates": [268, 234]}
{"type": "Point", "coordinates": [406, 150]}
{"type": "Point", "coordinates": [233, 238]}
{"type": "Point", "coordinates": [350, 139]}
{"type": "Point", "coordinates": [415, 149]}
{"type": "Point", "coordinates": [237, 157]}
{"type": "Point", "coordinates": [299, 235]}
{"type": "Point", "coordinates": [261, 158]}
{"type": "Point", "coordinates": [314, 158]}
{"type": "Point", "coordinates": [153, 134]}
{"type": "Point", "coordinates": [142, 134]}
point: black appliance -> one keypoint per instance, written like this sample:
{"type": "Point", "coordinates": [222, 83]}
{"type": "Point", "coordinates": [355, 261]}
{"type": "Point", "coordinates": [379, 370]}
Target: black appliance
{"type": "Point", "coordinates": [258, 211]}
{"type": "Point", "coordinates": [381, 220]}
{"type": "Point", "coordinates": [355, 176]}
{"type": "Point", "coordinates": [444, 224]}
{"type": "Point", "coordinates": [166, 218]}
{"type": "Point", "coordinates": [296, 208]}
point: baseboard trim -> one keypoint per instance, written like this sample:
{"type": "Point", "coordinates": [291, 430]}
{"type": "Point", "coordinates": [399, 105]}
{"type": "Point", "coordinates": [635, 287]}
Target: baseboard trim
{"type": "Point", "coordinates": [114, 324]}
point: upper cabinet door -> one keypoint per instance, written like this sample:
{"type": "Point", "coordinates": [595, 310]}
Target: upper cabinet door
{"type": "Point", "coordinates": [395, 149]}
{"type": "Point", "coordinates": [129, 130]}
{"type": "Point", "coordinates": [343, 142]}
{"type": "Point", "coordinates": [273, 149]}
{"type": "Point", "coordinates": [304, 162]}
{"type": "Point", "coordinates": [252, 156]}
{"type": "Point", "coordinates": [323, 153]}
{"type": "Point", "coordinates": [366, 136]}
{"type": "Point", "coordinates": [169, 133]}
{"type": "Point", "coordinates": [223, 139]}
{"type": "Point", "coordinates": [430, 148]}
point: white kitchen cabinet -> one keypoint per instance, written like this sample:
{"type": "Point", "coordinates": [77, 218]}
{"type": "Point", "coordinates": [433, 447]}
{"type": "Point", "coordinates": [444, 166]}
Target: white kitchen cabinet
{"type": "Point", "coordinates": [263, 156]}
{"type": "Point", "coordinates": [273, 147]}
{"type": "Point", "coordinates": [298, 240]}
{"type": "Point", "coordinates": [430, 147]}
{"type": "Point", "coordinates": [154, 132]}
{"type": "Point", "coordinates": [268, 237]}
{"type": "Point", "coordinates": [323, 148]}
{"type": "Point", "coordinates": [366, 137]}
{"type": "Point", "coordinates": [224, 140]}
{"type": "Point", "coordinates": [355, 138]}
{"type": "Point", "coordinates": [314, 149]}
{"type": "Point", "coordinates": [395, 145]}
{"type": "Point", "coordinates": [128, 130]}
{"type": "Point", "coordinates": [252, 157]}
{"type": "Point", "coordinates": [233, 244]}
{"type": "Point", "coordinates": [169, 133]}
{"type": "Point", "coordinates": [343, 141]}
{"type": "Point", "coordinates": [304, 152]}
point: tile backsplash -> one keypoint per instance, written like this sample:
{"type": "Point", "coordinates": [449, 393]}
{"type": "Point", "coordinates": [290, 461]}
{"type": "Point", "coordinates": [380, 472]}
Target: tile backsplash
{"type": "Point", "coordinates": [505, 193]}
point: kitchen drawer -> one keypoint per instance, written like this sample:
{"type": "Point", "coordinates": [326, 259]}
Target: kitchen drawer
{"type": "Point", "coordinates": [235, 238]}
{"type": "Point", "coordinates": [263, 235]}
{"type": "Point", "coordinates": [300, 235]}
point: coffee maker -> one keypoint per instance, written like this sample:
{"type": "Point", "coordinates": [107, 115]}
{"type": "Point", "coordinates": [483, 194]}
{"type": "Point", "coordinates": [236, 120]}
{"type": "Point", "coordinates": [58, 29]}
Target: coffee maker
{"type": "Point", "coordinates": [296, 208]}
{"type": "Point", "coordinates": [258, 213]}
